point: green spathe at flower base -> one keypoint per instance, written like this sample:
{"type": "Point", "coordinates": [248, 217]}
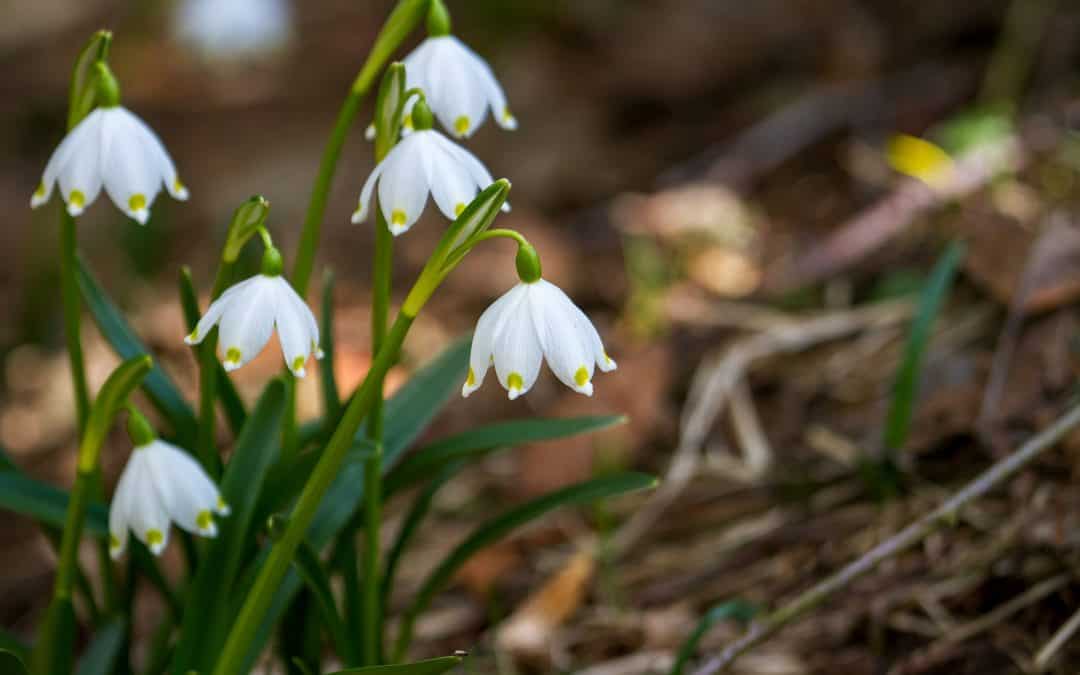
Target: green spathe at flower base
{"type": "Point", "coordinates": [248, 219]}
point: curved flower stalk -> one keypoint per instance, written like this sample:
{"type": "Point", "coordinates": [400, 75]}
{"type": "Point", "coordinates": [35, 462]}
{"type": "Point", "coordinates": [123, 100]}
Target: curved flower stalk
{"type": "Point", "coordinates": [161, 484]}
{"type": "Point", "coordinates": [247, 313]}
{"type": "Point", "coordinates": [460, 85]}
{"type": "Point", "coordinates": [424, 162]}
{"type": "Point", "coordinates": [234, 30]}
{"type": "Point", "coordinates": [114, 149]}
{"type": "Point", "coordinates": [532, 322]}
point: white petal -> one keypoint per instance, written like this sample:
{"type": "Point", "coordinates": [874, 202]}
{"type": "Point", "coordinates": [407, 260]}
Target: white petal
{"type": "Point", "coordinates": [122, 506]}
{"type": "Point", "coordinates": [131, 176]}
{"type": "Point", "coordinates": [364, 203]}
{"type": "Point", "coordinates": [88, 129]}
{"type": "Point", "coordinates": [517, 351]}
{"type": "Point", "coordinates": [80, 175]}
{"type": "Point", "coordinates": [452, 186]}
{"type": "Point", "coordinates": [246, 327]}
{"type": "Point", "coordinates": [480, 354]}
{"type": "Point", "coordinates": [294, 323]}
{"type": "Point", "coordinates": [493, 92]}
{"type": "Point", "coordinates": [216, 309]}
{"type": "Point", "coordinates": [149, 521]}
{"type": "Point", "coordinates": [566, 348]}
{"type": "Point", "coordinates": [403, 188]}
{"type": "Point", "coordinates": [187, 494]}
{"type": "Point", "coordinates": [456, 97]}
{"type": "Point", "coordinates": [159, 156]}
{"type": "Point", "coordinates": [369, 132]}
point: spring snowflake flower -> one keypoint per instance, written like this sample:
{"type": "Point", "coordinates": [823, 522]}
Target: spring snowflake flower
{"type": "Point", "coordinates": [423, 162]}
{"type": "Point", "coordinates": [459, 85]}
{"type": "Point", "coordinates": [113, 148]}
{"type": "Point", "coordinates": [246, 315]}
{"type": "Point", "coordinates": [530, 323]}
{"type": "Point", "coordinates": [161, 484]}
{"type": "Point", "coordinates": [234, 30]}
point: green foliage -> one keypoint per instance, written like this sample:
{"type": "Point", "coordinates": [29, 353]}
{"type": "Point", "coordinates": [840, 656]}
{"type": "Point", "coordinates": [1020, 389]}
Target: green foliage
{"type": "Point", "coordinates": [161, 390]}
{"type": "Point", "coordinates": [905, 388]}
{"type": "Point", "coordinates": [734, 609]}
{"type": "Point", "coordinates": [83, 85]}
{"type": "Point", "coordinates": [11, 663]}
{"type": "Point", "coordinates": [500, 526]}
{"type": "Point", "coordinates": [102, 655]}
{"type": "Point", "coordinates": [45, 503]}
{"type": "Point", "coordinates": [429, 667]}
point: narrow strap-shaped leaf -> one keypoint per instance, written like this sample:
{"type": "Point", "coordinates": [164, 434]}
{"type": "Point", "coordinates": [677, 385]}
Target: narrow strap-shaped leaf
{"type": "Point", "coordinates": [409, 411]}
{"type": "Point", "coordinates": [46, 503]}
{"type": "Point", "coordinates": [313, 573]}
{"type": "Point", "coordinates": [13, 644]}
{"type": "Point", "coordinates": [905, 388]}
{"type": "Point", "coordinates": [426, 461]}
{"type": "Point", "coordinates": [437, 666]}
{"type": "Point", "coordinates": [101, 656]}
{"type": "Point", "coordinates": [11, 663]}
{"type": "Point", "coordinates": [492, 531]}
{"type": "Point", "coordinates": [230, 399]}
{"type": "Point", "coordinates": [735, 609]}
{"type": "Point", "coordinates": [161, 390]}
{"type": "Point", "coordinates": [331, 402]}
{"type": "Point", "coordinates": [411, 525]}
{"type": "Point", "coordinates": [206, 612]}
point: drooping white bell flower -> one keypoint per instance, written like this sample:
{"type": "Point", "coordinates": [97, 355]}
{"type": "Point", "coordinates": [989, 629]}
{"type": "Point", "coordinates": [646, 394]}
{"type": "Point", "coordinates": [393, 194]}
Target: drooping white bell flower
{"type": "Point", "coordinates": [246, 315]}
{"type": "Point", "coordinates": [423, 162]}
{"type": "Point", "coordinates": [114, 149]}
{"type": "Point", "coordinates": [235, 30]}
{"type": "Point", "coordinates": [532, 322]}
{"type": "Point", "coordinates": [161, 484]}
{"type": "Point", "coordinates": [459, 85]}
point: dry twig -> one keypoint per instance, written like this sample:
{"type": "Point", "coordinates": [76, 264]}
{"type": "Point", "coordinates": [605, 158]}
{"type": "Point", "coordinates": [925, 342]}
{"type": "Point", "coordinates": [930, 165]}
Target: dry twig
{"type": "Point", "coordinates": [910, 536]}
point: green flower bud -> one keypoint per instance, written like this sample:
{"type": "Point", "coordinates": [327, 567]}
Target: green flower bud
{"type": "Point", "coordinates": [421, 116]}
{"type": "Point", "coordinates": [272, 264]}
{"type": "Point", "coordinates": [139, 429]}
{"type": "Point", "coordinates": [528, 264]}
{"type": "Point", "coordinates": [438, 19]}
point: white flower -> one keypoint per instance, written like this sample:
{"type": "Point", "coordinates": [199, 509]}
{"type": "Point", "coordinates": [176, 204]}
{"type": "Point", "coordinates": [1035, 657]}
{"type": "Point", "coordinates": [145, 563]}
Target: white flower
{"type": "Point", "coordinates": [532, 322]}
{"type": "Point", "coordinates": [161, 484]}
{"type": "Point", "coordinates": [234, 30]}
{"type": "Point", "coordinates": [113, 148]}
{"type": "Point", "coordinates": [246, 315]}
{"type": "Point", "coordinates": [458, 85]}
{"type": "Point", "coordinates": [423, 162]}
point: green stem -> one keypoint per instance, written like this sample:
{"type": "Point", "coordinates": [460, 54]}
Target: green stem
{"type": "Point", "coordinates": [277, 564]}
{"type": "Point", "coordinates": [406, 16]}
{"type": "Point", "coordinates": [69, 289]}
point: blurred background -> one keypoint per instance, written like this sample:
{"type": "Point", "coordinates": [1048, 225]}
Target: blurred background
{"type": "Point", "coordinates": [714, 182]}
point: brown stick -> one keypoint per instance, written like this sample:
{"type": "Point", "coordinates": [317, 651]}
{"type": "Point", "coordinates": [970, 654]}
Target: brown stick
{"type": "Point", "coordinates": [910, 536]}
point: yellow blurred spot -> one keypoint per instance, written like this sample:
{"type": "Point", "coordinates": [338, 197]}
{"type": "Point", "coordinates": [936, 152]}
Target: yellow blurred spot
{"type": "Point", "coordinates": [298, 363]}
{"type": "Point", "coordinates": [461, 125]}
{"type": "Point", "coordinates": [137, 202]}
{"type": "Point", "coordinates": [154, 538]}
{"type": "Point", "coordinates": [40, 191]}
{"type": "Point", "coordinates": [408, 123]}
{"type": "Point", "coordinates": [204, 521]}
{"type": "Point", "coordinates": [397, 217]}
{"type": "Point", "coordinates": [918, 158]}
{"type": "Point", "coordinates": [581, 377]}
{"type": "Point", "coordinates": [233, 355]}
{"type": "Point", "coordinates": [515, 381]}
{"type": "Point", "coordinates": [470, 379]}
{"type": "Point", "coordinates": [178, 186]}
{"type": "Point", "coordinates": [77, 199]}
{"type": "Point", "coordinates": [458, 208]}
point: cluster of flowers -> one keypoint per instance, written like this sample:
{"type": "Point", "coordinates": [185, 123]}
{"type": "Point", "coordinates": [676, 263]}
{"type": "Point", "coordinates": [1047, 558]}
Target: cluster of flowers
{"type": "Point", "coordinates": [534, 321]}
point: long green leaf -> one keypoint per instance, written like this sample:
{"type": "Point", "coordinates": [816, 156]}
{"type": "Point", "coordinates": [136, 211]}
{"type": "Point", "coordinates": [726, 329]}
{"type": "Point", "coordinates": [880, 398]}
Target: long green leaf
{"type": "Point", "coordinates": [331, 402]}
{"type": "Point", "coordinates": [206, 614]}
{"type": "Point", "coordinates": [735, 609]}
{"type": "Point", "coordinates": [45, 503]}
{"type": "Point", "coordinates": [898, 423]}
{"type": "Point", "coordinates": [161, 390]}
{"type": "Point", "coordinates": [101, 656]}
{"type": "Point", "coordinates": [11, 663]}
{"type": "Point", "coordinates": [430, 667]}
{"type": "Point", "coordinates": [313, 573]}
{"type": "Point", "coordinates": [230, 398]}
{"type": "Point", "coordinates": [13, 644]}
{"type": "Point", "coordinates": [428, 460]}
{"type": "Point", "coordinates": [497, 528]}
